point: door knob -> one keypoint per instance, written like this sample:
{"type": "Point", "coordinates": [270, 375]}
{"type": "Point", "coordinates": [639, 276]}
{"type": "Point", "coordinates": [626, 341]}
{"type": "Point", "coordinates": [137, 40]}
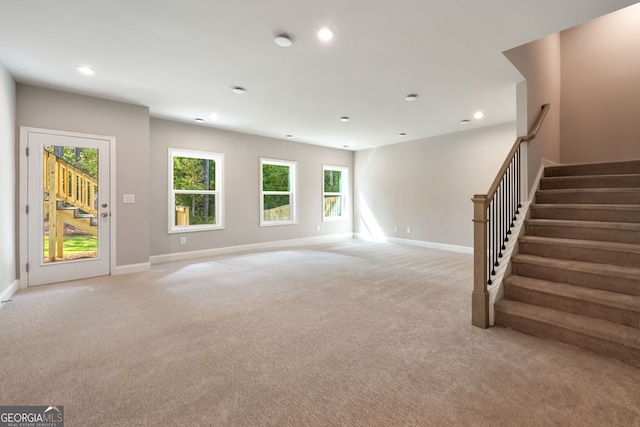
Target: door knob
{"type": "Point", "coordinates": [104, 205]}
{"type": "Point", "coordinates": [104, 214]}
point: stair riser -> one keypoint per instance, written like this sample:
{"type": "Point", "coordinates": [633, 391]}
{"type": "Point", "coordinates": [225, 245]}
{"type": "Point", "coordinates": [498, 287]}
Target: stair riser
{"type": "Point", "coordinates": [543, 330]}
{"type": "Point", "coordinates": [596, 197]}
{"type": "Point", "coordinates": [578, 278]}
{"type": "Point", "coordinates": [600, 256]}
{"type": "Point", "coordinates": [586, 214]}
{"type": "Point", "coordinates": [631, 167]}
{"type": "Point", "coordinates": [571, 305]}
{"type": "Point", "coordinates": [618, 181]}
{"type": "Point", "coordinates": [583, 233]}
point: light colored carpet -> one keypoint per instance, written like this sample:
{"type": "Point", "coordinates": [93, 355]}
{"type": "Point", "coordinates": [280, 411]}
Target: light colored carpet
{"type": "Point", "coordinates": [353, 334]}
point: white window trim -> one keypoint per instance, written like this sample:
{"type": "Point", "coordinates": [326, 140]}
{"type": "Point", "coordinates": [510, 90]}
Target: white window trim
{"type": "Point", "coordinates": [344, 193]}
{"type": "Point", "coordinates": [293, 178]}
{"type": "Point", "coordinates": [218, 192]}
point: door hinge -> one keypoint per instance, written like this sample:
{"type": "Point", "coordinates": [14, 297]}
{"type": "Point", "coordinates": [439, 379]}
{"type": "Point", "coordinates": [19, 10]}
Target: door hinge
{"type": "Point", "coordinates": [27, 151]}
{"type": "Point", "coordinates": [27, 267]}
{"type": "Point", "coordinates": [27, 209]}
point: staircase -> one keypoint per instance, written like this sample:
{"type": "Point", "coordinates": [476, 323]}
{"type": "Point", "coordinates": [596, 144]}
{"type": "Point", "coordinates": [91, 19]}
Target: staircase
{"type": "Point", "coordinates": [576, 278]}
{"type": "Point", "coordinates": [82, 221]}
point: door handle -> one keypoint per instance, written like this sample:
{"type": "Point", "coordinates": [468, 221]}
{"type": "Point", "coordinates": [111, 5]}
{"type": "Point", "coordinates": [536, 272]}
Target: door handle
{"type": "Point", "coordinates": [104, 214]}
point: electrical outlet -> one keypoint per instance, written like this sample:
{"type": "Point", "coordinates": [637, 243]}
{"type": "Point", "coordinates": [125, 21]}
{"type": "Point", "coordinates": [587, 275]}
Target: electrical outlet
{"type": "Point", "coordinates": [395, 228]}
{"type": "Point", "coordinates": [183, 240]}
{"type": "Point", "coordinates": [408, 230]}
{"type": "Point", "coordinates": [317, 228]}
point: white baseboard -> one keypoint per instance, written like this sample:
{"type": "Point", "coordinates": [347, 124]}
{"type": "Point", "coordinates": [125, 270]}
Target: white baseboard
{"type": "Point", "coordinates": [9, 291]}
{"type": "Point", "coordinates": [132, 268]}
{"type": "Point", "coordinates": [432, 245]}
{"type": "Point", "coordinates": [422, 244]}
{"type": "Point", "coordinates": [181, 256]}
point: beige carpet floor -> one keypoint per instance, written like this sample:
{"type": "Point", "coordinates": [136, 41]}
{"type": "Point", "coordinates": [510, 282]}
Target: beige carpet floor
{"type": "Point", "coordinates": [345, 334]}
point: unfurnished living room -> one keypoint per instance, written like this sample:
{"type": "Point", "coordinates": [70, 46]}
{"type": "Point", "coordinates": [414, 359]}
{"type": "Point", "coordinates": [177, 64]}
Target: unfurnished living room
{"type": "Point", "coordinates": [329, 213]}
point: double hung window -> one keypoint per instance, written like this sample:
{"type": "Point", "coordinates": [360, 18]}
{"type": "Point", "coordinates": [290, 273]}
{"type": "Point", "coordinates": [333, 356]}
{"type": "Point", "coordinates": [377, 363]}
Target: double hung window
{"type": "Point", "coordinates": [195, 190]}
{"type": "Point", "coordinates": [277, 192]}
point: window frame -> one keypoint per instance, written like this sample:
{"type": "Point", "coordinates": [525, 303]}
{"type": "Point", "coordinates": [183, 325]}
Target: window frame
{"type": "Point", "coordinates": [344, 193]}
{"type": "Point", "coordinates": [218, 193]}
{"type": "Point", "coordinates": [292, 193]}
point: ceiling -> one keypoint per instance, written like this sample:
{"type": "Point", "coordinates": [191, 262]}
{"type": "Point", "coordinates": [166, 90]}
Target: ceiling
{"type": "Point", "coordinates": [182, 58]}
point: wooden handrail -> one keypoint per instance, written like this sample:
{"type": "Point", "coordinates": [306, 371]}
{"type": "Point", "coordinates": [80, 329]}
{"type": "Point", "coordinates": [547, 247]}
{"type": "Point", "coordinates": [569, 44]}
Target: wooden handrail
{"type": "Point", "coordinates": [532, 134]}
{"type": "Point", "coordinates": [505, 202]}
{"type": "Point", "coordinates": [536, 126]}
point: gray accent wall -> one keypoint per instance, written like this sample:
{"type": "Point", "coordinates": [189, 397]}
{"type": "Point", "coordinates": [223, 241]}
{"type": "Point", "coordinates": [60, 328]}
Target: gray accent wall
{"type": "Point", "coordinates": [241, 187]}
{"type": "Point", "coordinates": [601, 89]}
{"type": "Point", "coordinates": [129, 124]}
{"type": "Point", "coordinates": [590, 74]}
{"type": "Point", "coordinates": [8, 206]}
{"type": "Point", "coordinates": [539, 62]}
{"type": "Point", "coordinates": [428, 184]}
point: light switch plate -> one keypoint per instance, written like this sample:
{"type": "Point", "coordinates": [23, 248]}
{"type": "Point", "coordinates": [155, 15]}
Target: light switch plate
{"type": "Point", "coordinates": [128, 198]}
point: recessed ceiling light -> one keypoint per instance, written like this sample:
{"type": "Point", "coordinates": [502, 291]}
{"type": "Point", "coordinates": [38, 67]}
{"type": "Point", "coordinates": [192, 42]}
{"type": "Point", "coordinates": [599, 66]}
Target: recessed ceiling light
{"type": "Point", "coordinates": [85, 70]}
{"type": "Point", "coordinates": [325, 34]}
{"type": "Point", "coordinates": [464, 122]}
{"type": "Point", "coordinates": [214, 116]}
{"type": "Point", "coordinates": [479, 115]}
{"type": "Point", "coordinates": [289, 136]}
{"type": "Point", "coordinates": [411, 97]}
{"type": "Point", "coordinates": [283, 40]}
{"type": "Point", "coordinates": [344, 119]}
{"type": "Point", "coordinates": [402, 134]}
{"type": "Point", "coordinates": [199, 120]}
{"type": "Point", "coordinates": [239, 90]}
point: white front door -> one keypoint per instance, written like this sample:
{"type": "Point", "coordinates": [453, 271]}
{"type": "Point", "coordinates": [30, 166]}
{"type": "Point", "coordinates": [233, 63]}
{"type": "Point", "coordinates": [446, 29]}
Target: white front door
{"type": "Point", "coordinates": [69, 212]}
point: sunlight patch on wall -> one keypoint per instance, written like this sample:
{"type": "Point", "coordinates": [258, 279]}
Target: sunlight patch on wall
{"type": "Point", "coordinates": [369, 227]}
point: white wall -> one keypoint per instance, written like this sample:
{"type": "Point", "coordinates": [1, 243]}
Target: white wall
{"type": "Point", "coordinates": [242, 187]}
{"type": "Point", "coordinates": [8, 197]}
{"type": "Point", "coordinates": [428, 184]}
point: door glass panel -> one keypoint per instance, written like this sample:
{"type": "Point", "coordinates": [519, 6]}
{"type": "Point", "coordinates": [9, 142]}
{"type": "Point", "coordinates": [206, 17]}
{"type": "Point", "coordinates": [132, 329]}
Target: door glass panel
{"type": "Point", "coordinates": [70, 189]}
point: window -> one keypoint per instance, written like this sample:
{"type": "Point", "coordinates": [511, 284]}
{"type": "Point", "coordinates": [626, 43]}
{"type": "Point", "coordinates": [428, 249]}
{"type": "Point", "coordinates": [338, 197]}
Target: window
{"type": "Point", "coordinates": [195, 190]}
{"type": "Point", "coordinates": [334, 207]}
{"type": "Point", "coordinates": [278, 192]}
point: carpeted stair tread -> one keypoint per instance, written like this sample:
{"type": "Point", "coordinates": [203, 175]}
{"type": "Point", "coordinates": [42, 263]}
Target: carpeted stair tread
{"type": "Point", "coordinates": [588, 274]}
{"type": "Point", "coordinates": [624, 167]}
{"type": "Point", "coordinates": [590, 181]}
{"type": "Point", "coordinates": [589, 196]}
{"type": "Point", "coordinates": [610, 270]}
{"type": "Point", "coordinates": [624, 254]}
{"type": "Point", "coordinates": [622, 232]}
{"type": "Point", "coordinates": [595, 224]}
{"type": "Point", "coordinates": [597, 303]}
{"type": "Point", "coordinates": [587, 212]}
{"type": "Point", "coordinates": [596, 335]}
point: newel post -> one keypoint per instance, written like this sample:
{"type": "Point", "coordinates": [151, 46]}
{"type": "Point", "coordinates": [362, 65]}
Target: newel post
{"type": "Point", "coordinates": [480, 296]}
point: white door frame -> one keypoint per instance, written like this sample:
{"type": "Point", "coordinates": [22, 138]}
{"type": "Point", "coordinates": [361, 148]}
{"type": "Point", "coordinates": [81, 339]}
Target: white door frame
{"type": "Point", "coordinates": [23, 255]}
